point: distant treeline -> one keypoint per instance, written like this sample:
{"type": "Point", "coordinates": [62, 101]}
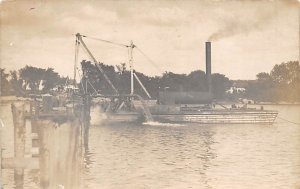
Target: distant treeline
{"type": "Point", "coordinates": [29, 80]}
{"type": "Point", "coordinates": [195, 81]}
{"type": "Point", "coordinates": [281, 84]}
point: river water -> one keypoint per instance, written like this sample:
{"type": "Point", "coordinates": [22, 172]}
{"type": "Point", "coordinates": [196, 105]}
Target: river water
{"type": "Point", "coordinates": [184, 156]}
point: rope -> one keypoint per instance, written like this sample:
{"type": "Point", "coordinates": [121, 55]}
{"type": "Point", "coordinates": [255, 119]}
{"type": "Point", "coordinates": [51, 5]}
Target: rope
{"type": "Point", "coordinates": [106, 41]}
{"type": "Point", "coordinates": [127, 46]}
{"type": "Point", "coordinates": [149, 59]}
{"type": "Point", "coordinates": [89, 53]}
{"type": "Point", "coordinates": [88, 81]}
{"type": "Point", "coordinates": [288, 121]}
{"type": "Point", "coordinates": [95, 91]}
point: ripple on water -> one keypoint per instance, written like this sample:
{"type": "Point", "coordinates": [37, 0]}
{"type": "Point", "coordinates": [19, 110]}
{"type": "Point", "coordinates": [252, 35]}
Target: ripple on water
{"type": "Point", "coordinates": [155, 155]}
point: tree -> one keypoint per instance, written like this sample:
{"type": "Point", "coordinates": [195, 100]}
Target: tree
{"type": "Point", "coordinates": [51, 79]}
{"type": "Point", "coordinates": [263, 76]}
{"type": "Point", "coordinates": [285, 73]}
{"type": "Point", "coordinates": [193, 82]}
{"type": "Point", "coordinates": [16, 84]}
{"type": "Point", "coordinates": [282, 84]}
{"type": "Point", "coordinates": [261, 88]}
{"type": "Point", "coordinates": [33, 76]}
{"type": "Point", "coordinates": [175, 82]}
{"type": "Point", "coordinates": [286, 77]}
{"type": "Point", "coordinates": [196, 81]}
{"type": "Point", "coordinates": [5, 86]}
{"type": "Point", "coordinates": [220, 84]}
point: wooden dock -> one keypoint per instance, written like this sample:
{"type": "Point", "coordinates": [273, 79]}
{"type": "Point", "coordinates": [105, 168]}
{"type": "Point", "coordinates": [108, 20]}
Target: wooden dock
{"type": "Point", "coordinates": [58, 135]}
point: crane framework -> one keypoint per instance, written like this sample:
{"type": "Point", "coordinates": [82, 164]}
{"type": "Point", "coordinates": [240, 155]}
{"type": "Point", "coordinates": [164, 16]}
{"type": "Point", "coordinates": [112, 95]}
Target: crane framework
{"type": "Point", "coordinates": [117, 101]}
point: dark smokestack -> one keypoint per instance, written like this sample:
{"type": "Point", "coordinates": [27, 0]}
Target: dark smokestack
{"type": "Point", "coordinates": [208, 64]}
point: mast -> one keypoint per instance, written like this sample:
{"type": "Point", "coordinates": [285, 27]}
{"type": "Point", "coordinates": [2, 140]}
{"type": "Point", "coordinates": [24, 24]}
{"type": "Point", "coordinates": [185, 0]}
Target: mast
{"type": "Point", "coordinates": [76, 60]}
{"type": "Point", "coordinates": [79, 37]}
{"type": "Point", "coordinates": [299, 31]}
{"type": "Point", "coordinates": [79, 41]}
{"type": "Point", "coordinates": [131, 67]}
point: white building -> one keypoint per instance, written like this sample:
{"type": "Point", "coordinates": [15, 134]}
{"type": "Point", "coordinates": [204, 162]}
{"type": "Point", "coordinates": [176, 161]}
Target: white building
{"type": "Point", "coordinates": [235, 89]}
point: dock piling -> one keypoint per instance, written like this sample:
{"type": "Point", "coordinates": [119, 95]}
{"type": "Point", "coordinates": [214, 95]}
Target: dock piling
{"type": "Point", "coordinates": [19, 141]}
{"type": "Point", "coordinates": [57, 139]}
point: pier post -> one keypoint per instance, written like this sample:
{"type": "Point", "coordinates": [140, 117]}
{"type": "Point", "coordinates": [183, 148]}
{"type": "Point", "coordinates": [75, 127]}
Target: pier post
{"type": "Point", "coordinates": [43, 160]}
{"type": "Point", "coordinates": [34, 128]}
{"type": "Point", "coordinates": [19, 141]}
{"type": "Point", "coordinates": [59, 153]}
{"type": "Point", "coordinates": [0, 155]}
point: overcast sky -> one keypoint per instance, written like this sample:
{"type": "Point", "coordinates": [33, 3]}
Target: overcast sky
{"type": "Point", "coordinates": [248, 36]}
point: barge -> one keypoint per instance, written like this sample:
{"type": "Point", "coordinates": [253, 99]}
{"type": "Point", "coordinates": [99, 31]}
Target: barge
{"type": "Point", "coordinates": [219, 117]}
{"type": "Point", "coordinates": [203, 114]}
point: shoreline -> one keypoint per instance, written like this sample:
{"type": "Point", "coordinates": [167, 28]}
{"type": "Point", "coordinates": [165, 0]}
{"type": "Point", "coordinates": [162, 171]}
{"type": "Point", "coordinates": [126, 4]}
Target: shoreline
{"type": "Point", "coordinates": [278, 103]}
{"type": "Point", "coordinates": [10, 99]}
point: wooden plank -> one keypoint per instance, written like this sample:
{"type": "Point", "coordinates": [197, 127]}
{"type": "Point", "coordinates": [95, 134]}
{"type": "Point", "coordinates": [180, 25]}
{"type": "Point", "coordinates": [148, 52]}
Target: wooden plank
{"type": "Point", "coordinates": [216, 119]}
{"type": "Point", "coordinates": [22, 163]}
{"type": "Point", "coordinates": [222, 117]}
{"type": "Point", "coordinates": [34, 138]}
{"type": "Point", "coordinates": [34, 135]}
{"type": "Point", "coordinates": [35, 151]}
{"type": "Point", "coordinates": [215, 113]}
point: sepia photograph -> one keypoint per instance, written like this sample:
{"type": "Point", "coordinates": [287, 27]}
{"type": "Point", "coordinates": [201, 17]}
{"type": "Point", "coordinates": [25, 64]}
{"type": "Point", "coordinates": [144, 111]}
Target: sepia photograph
{"type": "Point", "coordinates": [149, 94]}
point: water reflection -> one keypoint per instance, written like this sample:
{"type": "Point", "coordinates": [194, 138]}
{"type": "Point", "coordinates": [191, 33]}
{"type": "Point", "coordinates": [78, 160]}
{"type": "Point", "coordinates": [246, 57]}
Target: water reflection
{"type": "Point", "coordinates": [145, 154]}
{"type": "Point", "coordinates": [189, 156]}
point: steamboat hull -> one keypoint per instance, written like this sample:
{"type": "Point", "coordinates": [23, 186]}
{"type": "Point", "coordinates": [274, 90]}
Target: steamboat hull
{"type": "Point", "coordinates": [219, 117]}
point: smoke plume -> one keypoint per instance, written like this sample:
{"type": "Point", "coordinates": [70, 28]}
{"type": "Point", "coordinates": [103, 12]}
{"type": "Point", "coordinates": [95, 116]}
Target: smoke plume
{"type": "Point", "coordinates": [249, 19]}
{"type": "Point", "coordinates": [235, 27]}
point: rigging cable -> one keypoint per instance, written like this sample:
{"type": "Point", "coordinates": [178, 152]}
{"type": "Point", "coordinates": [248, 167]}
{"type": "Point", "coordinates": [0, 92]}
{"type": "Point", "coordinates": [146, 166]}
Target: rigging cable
{"type": "Point", "coordinates": [96, 62]}
{"type": "Point", "coordinates": [95, 91]}
{"type": "Point", "coordinates": [288, 121]}
{"type": "Point", "coordinates": [75, 66]}
{"type": "Point", "coordinates": [150, 60]}
{"type": "Point", "coordinates": [77, 43]}
{"type": "Point", "coordinates": [127, 46]}
{"type": "Point", "coordinates": [106, 41]}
